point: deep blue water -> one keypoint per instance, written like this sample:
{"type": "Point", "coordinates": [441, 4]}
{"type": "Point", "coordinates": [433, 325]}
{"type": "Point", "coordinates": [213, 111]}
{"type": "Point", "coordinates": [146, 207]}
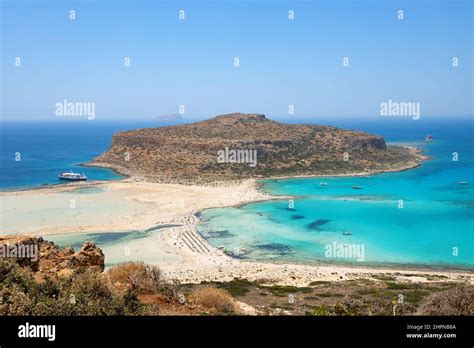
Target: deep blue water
{"type": "Point", "coordinates": [47, 148]}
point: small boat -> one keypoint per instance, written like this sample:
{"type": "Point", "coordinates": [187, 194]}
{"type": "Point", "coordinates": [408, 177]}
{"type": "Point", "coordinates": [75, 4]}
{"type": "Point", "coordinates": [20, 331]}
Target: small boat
{"type": "Point", "coordinates": [347, 234]}
{"type": "Point", "coordinates": [428, 137]}
{"type": "Point", "coordinates": [355, 187]}
{"type": "Point", "coordinates": [462, 182]}
{"type": "Point", "coordinates": [323, 184]}
{"type": "Point", "coordinates": [71, 176]}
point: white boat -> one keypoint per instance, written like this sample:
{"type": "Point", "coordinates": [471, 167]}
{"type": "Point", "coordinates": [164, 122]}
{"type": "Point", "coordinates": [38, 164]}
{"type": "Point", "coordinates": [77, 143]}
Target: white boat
{"type": "Point", "coordinates": [462, 182]}
{"type": "Point", "coordinates": [71, 176]}
{"type": "Point", "coordinates": [323, 184]}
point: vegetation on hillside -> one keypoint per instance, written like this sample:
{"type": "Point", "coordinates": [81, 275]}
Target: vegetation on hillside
{"type": "Point", "coordinates": [134, 288]}
{"type": "Point", "coordinates": [189, 153]}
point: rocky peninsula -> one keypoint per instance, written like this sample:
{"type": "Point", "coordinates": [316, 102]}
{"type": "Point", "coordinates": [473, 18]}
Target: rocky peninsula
{"type": "Point", "coordinates": [238, 146]}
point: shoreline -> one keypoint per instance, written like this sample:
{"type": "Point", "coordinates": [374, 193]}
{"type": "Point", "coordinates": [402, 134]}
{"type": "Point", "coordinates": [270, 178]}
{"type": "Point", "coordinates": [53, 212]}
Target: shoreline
{"type": "Point", "coordinates": [180, 251]}
{"type": "Point", "coordinates": [127, 174]}
{"type": "Point", "coordinates": [405, 267]}
{"type": "Point", "coordinates": [414, 151]}
{"type": "Point", "coordinates": [301, 274]}
{"type": "Point", "coordinates": [185, 256]}
{"type": "Point", "coordinates": [65, 184]}
{"type": "Point", "coordinates": [417, 153]}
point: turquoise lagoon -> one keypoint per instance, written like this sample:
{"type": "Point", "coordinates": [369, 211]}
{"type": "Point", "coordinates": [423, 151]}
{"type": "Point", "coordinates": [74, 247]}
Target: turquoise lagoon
{"type": "Point", "coordinates": [418, 217]}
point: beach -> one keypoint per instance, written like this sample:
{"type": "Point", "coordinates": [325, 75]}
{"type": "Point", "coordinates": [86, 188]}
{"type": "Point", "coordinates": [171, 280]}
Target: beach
{"type": "Point", "coordinates": [179, 250]}
{"type": "Point", "coordinates": [114, 206]}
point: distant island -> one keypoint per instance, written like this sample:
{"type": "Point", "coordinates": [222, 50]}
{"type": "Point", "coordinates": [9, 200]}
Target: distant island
{"type": "Point", "coordinates": [240, 146]}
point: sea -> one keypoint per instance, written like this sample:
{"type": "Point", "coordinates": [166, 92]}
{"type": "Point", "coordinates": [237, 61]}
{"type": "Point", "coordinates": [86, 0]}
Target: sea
{"type": "Point", "coordinates": [32, 154]}
{"type": "Point", "coordinates": [422, 217]}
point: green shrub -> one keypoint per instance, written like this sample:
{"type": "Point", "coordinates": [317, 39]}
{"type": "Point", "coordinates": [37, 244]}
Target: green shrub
{"type": "Point", "coordinates": [136, 276]}
{"type": "Point", "coordinates": [217, 299]}
{"type": "Point", "coordinates": [86, 292]}
{"type": "Point", "coordinates": [237, 286]}
{"type": "Point", "coordinates": [458, 300]}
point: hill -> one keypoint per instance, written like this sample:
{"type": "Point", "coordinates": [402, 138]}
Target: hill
{"type": "Point", "coordinates": [238, 146]}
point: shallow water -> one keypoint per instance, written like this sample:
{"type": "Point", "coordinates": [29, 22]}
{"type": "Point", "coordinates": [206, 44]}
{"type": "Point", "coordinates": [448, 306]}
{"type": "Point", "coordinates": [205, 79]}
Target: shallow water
{"type": "Point", "coordinates": [117, 247]}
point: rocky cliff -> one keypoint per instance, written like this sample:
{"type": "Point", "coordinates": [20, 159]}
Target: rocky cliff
{"type": "Point", "coordinates": [45, 259]}
{"type": "Point", "coordinates": [224, 147]}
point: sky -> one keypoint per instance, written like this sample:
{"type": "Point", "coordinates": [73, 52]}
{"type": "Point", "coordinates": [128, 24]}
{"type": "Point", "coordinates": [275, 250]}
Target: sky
{"type": "Point", "coordinates": [190, 62]}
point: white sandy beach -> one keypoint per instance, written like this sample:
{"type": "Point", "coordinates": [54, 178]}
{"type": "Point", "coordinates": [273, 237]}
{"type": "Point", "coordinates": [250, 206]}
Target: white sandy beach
{"type": "Point", "coordinates": [113, 206]}
{"type": "Point", "coordinates": [180, 252]}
